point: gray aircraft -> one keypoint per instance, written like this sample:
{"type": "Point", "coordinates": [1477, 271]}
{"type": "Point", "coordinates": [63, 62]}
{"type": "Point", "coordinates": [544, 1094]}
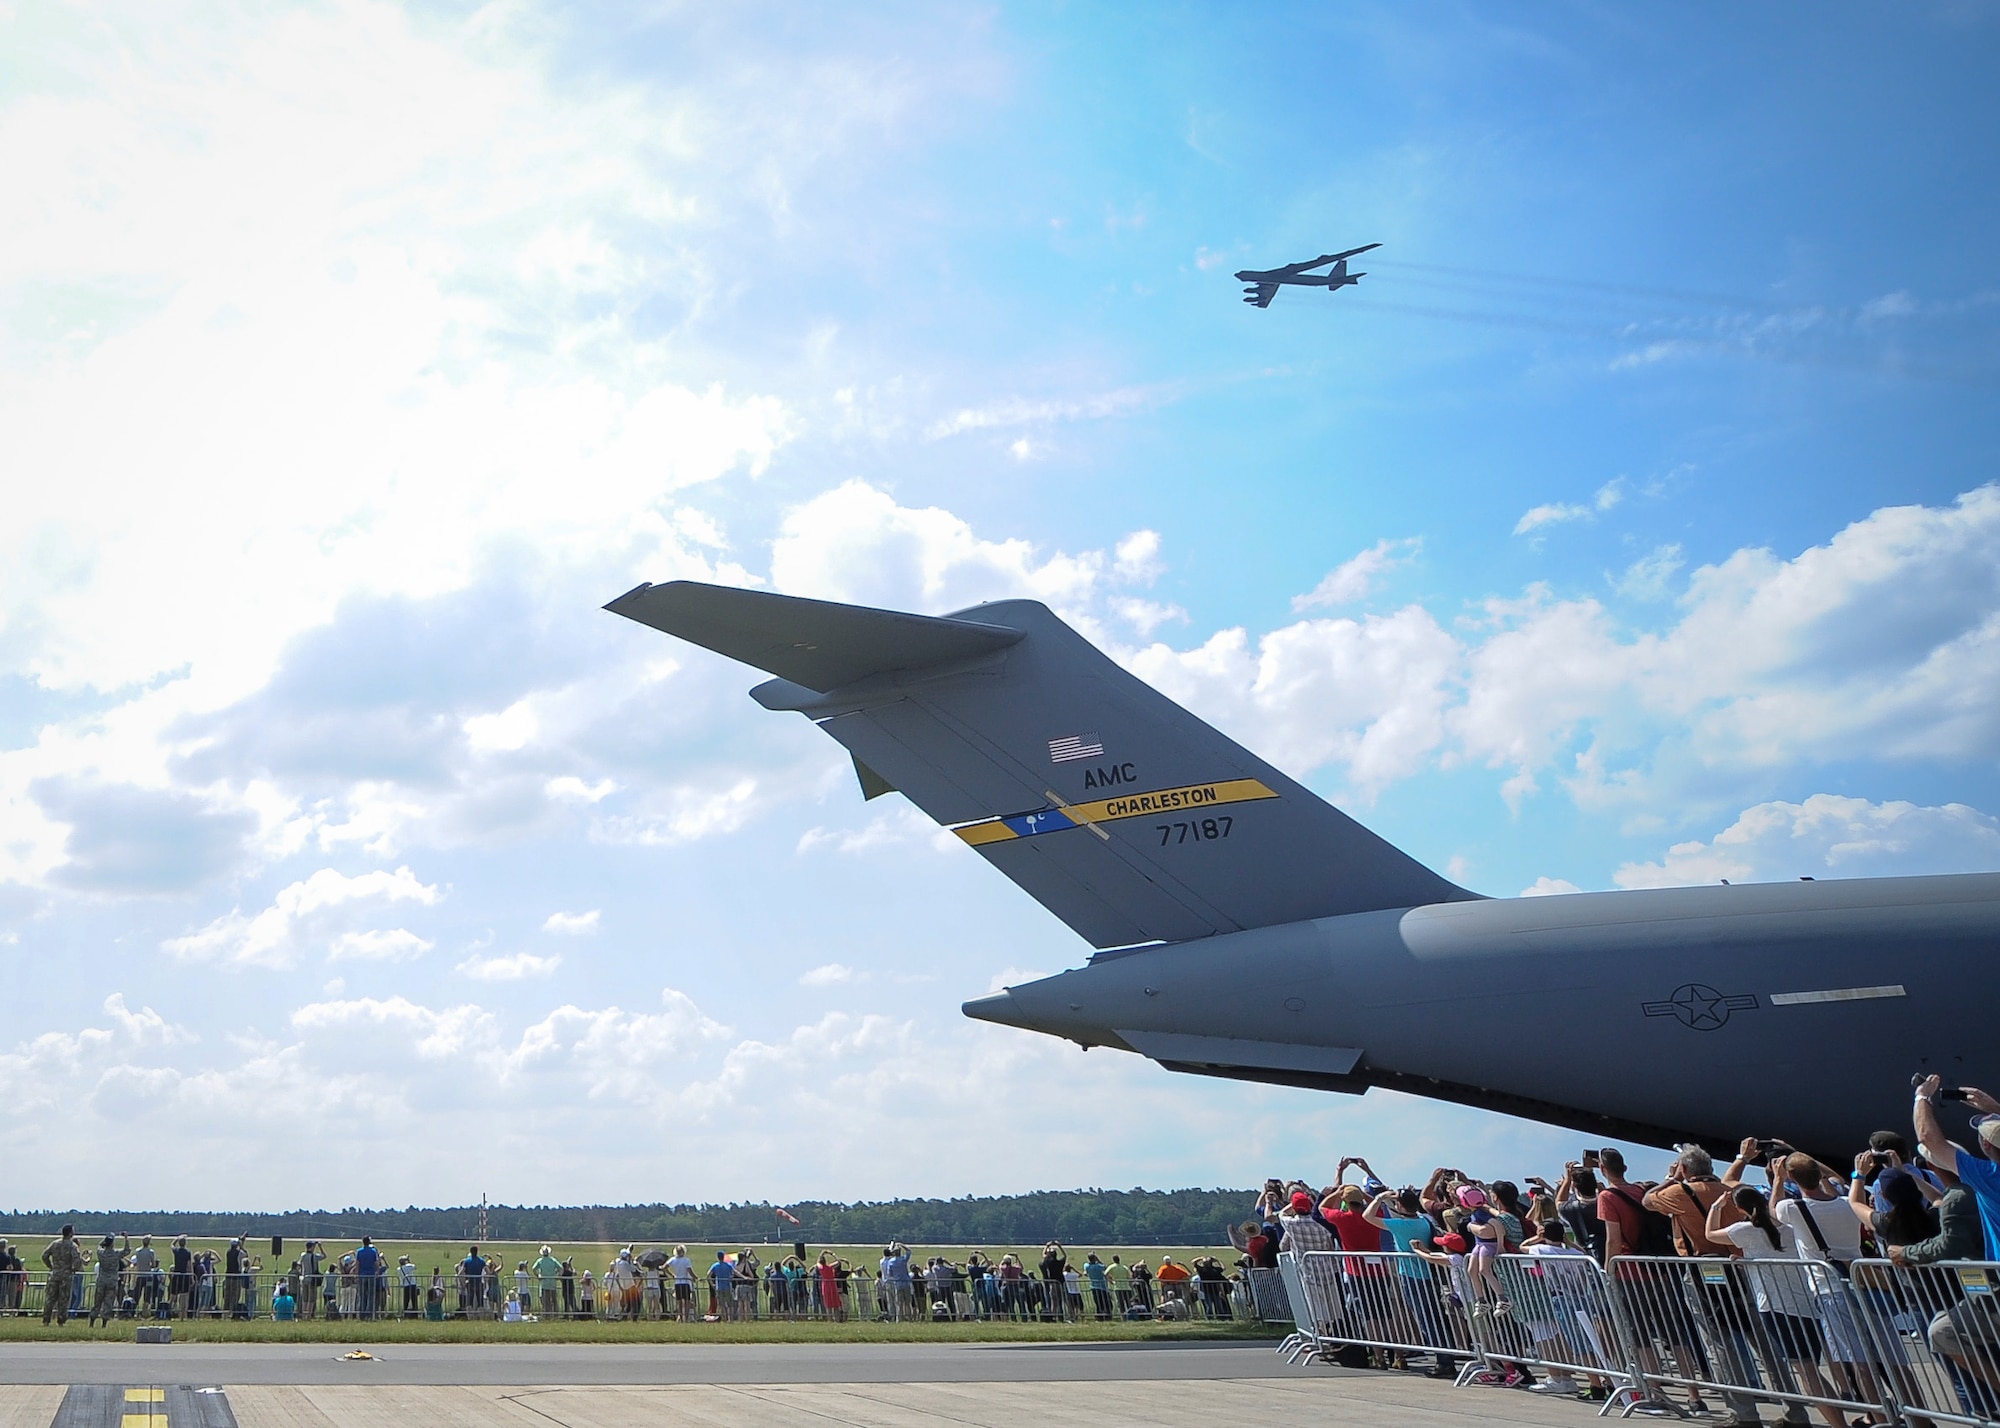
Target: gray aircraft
{"type": "Point", "coordinates": [1246, 928]}
{"type": "Point", "coordinates": [1264, 285]}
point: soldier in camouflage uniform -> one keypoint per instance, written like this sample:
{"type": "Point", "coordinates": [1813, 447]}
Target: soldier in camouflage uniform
{"type": "Point", "coordinates": [110, 1285]}
{"type": "Point", "coordinates": [65, 1261]}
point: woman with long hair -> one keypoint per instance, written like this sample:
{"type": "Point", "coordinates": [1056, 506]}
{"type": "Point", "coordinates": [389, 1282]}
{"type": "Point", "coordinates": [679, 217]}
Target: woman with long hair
{"type": "Point", "coordinates": [1787, 1302]}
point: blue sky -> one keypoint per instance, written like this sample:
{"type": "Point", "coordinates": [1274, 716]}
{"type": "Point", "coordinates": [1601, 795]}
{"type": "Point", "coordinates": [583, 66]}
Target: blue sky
{"type": "Point", "coordinates": [1632, 523]}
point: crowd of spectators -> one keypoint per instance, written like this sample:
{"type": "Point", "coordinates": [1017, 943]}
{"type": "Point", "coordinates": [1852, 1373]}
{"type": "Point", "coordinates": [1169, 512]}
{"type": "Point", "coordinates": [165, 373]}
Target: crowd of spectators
{"type": "Point", "coordinates": [124, 1281]}
{"type": "Point", "coordinates": [1938, 1203]}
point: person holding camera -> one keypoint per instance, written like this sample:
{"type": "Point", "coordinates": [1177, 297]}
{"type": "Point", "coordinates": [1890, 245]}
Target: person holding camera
{"type": "Point", "coordinates": [1980, 1173]}
{"type": "Point", "coordinates": [1968, 1333]}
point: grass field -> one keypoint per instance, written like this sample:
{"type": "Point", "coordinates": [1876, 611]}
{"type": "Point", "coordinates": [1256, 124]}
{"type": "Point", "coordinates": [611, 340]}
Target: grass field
{"type": "Point", "coordinates": [668, 1331]}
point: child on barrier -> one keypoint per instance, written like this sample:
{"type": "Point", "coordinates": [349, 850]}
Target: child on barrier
{"type": "Point", "coordinates": [1447, 1255]}
{"type": "Point", "coordinates": [1483, 1265]}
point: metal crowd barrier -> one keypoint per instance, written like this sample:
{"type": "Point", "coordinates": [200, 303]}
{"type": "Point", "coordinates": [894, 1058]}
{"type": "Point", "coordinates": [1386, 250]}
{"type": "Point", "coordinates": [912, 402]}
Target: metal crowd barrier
{"type": "Point", "coordinates": [1551, 1316]}
{"type": "Point", "coordinates": [1268, 1300]}
{"type": "Point", "coordinates": [1301, 1343]}
{"type": "Point", "coordinates": [926, 1297]}
{"type": "Point", "coordinates": [1558, 1320]}
{"type": "Point", "coordinates": [1391, 1302]}
{"type": "Point", "coordinates": [1935, 1332]}
{"type": "Point", "coordinates": [1906, 1345]}
{"type": "Point", "coordinates": [1778, 1331]}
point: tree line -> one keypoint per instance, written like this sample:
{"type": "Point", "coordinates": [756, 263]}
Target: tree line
{"type": "Point", "coordinates": [1109, 1217]}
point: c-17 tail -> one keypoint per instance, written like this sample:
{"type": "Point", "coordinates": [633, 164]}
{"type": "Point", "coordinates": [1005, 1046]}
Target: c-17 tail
{"type": "Point", "coordinates": [1119, 811]}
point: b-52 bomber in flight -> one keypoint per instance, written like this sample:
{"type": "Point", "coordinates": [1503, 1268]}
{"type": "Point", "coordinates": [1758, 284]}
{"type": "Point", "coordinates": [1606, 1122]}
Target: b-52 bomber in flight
{"type": "Point", "coordinates": [1246, 928]}
{"type": "Point", "coordinates": [1264, 286]}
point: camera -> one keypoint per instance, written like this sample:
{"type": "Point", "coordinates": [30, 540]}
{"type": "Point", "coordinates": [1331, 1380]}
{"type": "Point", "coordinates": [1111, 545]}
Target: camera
{"type": "Point", "coordinates": [1945, 1093]}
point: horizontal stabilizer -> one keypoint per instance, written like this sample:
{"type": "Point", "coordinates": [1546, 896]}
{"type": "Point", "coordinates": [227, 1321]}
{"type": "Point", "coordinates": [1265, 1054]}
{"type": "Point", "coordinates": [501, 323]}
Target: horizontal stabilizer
{"type": "Point", "coordinates": [816, 643]}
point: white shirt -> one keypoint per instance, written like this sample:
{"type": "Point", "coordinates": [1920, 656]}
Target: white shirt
{"type": "Point", "coordinates": [1779, 1289]}
{"type": "Point", "coordinates": [683, 1269]}
{"type": "Point", "coordinates": [1837, 1225]}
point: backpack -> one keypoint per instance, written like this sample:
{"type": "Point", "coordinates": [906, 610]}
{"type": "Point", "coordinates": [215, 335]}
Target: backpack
{"type": "Point", "coordinates": [1656, 1231]}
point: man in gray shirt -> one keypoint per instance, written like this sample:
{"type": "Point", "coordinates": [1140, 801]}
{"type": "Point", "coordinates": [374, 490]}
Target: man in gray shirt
{"type": "Point", "coordinates": [145, 1275]}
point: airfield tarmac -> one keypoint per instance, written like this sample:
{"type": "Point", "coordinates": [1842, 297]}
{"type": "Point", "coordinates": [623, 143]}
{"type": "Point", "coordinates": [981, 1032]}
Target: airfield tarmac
{"type": "Point", "coordinates": [728, 1386]}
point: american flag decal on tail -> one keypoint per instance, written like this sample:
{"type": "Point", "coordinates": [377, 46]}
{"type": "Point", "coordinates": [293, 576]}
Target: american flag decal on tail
{"type": "Point", "coordinates": [1071, 747]}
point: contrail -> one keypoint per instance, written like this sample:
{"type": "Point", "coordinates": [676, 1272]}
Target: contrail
{"type": "Point", "coordinates": [1678, 331]}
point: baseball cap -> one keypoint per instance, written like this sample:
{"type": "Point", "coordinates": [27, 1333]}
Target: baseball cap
{"type": "Point", "coordinates": [1988, 1128]}
{"type": "Point", "coordinates": [1452, 1244]}
{"type": "Point", "coordinates": [1302, 1203]}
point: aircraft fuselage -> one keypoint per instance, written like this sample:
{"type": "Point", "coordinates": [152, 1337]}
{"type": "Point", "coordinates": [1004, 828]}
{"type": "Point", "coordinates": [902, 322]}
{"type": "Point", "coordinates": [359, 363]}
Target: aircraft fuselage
{"type": "Point", "coordinates": [1796, 1010]}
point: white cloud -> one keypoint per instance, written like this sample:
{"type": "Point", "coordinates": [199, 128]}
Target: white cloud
{"type": "Point", "coordinates": [1136, 558]}
{"type": "Point", "coordinates": [1556, 513]}
{"type": "Point", "coordinates": [616, 1053]}
{"type": "Point", "coordinates": [276, 937]}
{"type": "Point", "coordinates": [1882, 643]}
{"type": "Point", "coordinates": [1368, 694]}
{"type": "Point", "coordinates": [572, 924]}
{"type": "Point", "coordinates": [36, 1075]}
{"type": "Point", "coordinates": [831, 974]}
{"type": "Point", "coordinates": [686, 815]}
{"type": "Point", "coordinates": [1146, 616]}
{"type": "Point", "coordinates": [397, 1024]}
{"type": "Point", "coordinates": [391, 945]}
{"type": "Point", "coordinates": [896, 825]}
{"type": "Point", "coordinates": [1023, 411]}
{"type": "Point", "coordinates": [1650, 576]}
{"type": "Point", "coordinates": [505, 731]}
{"type": "Point", "coordinates": [570, 789]}
{"type": "Point", "coordinates": [351, 289]}
{"type": "Point", "coordinates": [1896, 304]}
{"type": "Point", "coordinates": [1549, 887]}
{"type": "Point", "coordinates": [1353, 579]}
{"type": "Point", "coordinates": [1829, 835]}
{"type": "Point", "coordinates": [515, 968]}
{"type": "Point", "coordinates": [855, 543]}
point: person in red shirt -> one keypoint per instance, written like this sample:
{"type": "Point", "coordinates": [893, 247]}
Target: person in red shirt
{"type": "Point", "coordinates": [1663, 1314]}
{"type": "Point", "coordinates": [1343, 1211]}
{"type": "Point", "coordinates": [1369, 1293]}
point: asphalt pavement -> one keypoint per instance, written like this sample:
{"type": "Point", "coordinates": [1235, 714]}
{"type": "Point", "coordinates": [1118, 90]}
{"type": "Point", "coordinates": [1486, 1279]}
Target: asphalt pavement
{"type": "Point", "coordinates": [635, 1364]}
